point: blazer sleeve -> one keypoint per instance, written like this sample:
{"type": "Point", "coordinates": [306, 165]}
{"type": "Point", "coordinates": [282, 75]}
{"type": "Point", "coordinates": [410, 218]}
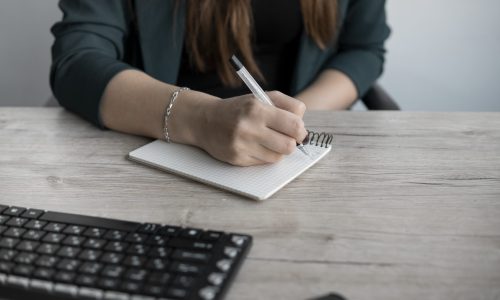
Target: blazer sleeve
{"type": "Point", "coordinates": [87, 53]}
{"type": "Point", "coordinates": [361, 51]}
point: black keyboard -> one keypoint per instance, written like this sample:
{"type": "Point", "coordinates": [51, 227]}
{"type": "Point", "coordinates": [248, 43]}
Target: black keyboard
{"type": "Point", "coordinates": [52, 255]}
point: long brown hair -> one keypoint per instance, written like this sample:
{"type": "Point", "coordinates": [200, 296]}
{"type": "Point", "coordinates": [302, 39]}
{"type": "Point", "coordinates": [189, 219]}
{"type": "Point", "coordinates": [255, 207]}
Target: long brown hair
{"type": "Point", "coordinates": [217, 29]}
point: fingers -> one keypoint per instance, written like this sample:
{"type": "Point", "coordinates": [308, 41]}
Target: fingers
{"type": "Point", "coordinates": [286, 123]}
{"type": "Point", "coordinates": [277, 142]}
{"type": "Point", "coordinates": [287, 119]}
{"type": "Point", "coordinates": [288, 103]}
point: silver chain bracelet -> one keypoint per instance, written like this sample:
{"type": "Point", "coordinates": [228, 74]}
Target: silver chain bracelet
{"type": "Point", "coordinates": [168, 111]}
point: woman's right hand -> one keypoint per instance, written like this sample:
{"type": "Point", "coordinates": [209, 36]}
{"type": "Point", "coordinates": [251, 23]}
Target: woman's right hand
{"type": "Point", "coordinates": [243, 131]}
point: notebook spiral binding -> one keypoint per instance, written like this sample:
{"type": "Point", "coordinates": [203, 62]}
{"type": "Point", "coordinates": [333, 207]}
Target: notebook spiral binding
{"type": "Point", "coordinates": [322, 139]}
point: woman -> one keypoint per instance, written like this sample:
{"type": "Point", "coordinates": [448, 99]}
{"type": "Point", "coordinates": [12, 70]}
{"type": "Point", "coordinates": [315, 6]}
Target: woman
{"type": "Point", "coordinates": [120, 63]}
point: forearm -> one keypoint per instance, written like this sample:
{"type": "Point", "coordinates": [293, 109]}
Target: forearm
{"type": "Point", "coordinates": [332, 90]}
{"type": "Point", "coordinates": [240, 130]}
{"type": "Point", "coordinates": [134, 103]}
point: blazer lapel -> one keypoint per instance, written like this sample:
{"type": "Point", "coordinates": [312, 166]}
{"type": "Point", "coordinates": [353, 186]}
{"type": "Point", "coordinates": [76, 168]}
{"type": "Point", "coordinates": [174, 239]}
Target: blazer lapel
{"type": "Point", "coordinates": [161, 32]}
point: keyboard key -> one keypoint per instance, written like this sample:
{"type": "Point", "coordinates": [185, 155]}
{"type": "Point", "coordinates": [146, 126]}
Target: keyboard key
{"type": "Point", "coordinates": [170, 230]}
{"type": "Point", "coordinates": [55, 238]}
{"type": "Point", "coordinates": [208, 292]}
{"type": "Point", "coordinates": [138, 249]}
{"type": "Point", "coordinates": [6, 254]}
{"type": "Point", "coordinates": [157, 240]}
{"type": "Point", "coordinates": [3, 228]}
{"type": "Point", "coordinates": [86, 280]}
{"type": "Point", "coordinates": [177, 293]}
{"type": "Point", "coordinates": [134, 261]}
{"type": "Point", "coordinates": [17, 222]}
{"type": "Point", "coordinates": [131, 287]}
{"type": "Point", "coordinates": [153, 290]}
{"type": "Point", "coordinates": [34, 235]}
{"type": "Point", "coordinates": [65, 290]}
{"type": "Point", "coordinates": [54, 227]}
{"type": "Point", "coordinates": [190, 256]}
{"type": "Point", "coordinates": [115, 235]}
{"type": "Point", "coordinates": [108, 283]}
{"type": "Point", "coordinates": [216, 278]}
{"type": "Point", "coordinates": [25, 258]}
{"type": "Point", "coordinates": [111, 258]}
{"type": "Point", "coordinates": [35, 224]}
{"type": "Point", "coordinates": [94, 243]}
{"type": "Point", "coordinates": [70, 265]}
{"type": "Point", "coordinates": [148, 228]}
{"type": "Point", "coordinates": [23, 270]}
{"type": "Point", "coordinates": [190, 244]}
{"type": "Point", "coordinates": [3, 207]}
{"type": "Point", "coordinates": [43, 273]}
{"type": "Point", "coordinates": [136, 238]}
{"type": "Point", "coordinates": [116, 246]}
{"type": "Point", "coordinates": [191, 233]}
{"type": "Point", "coordinates": [91, 268]}
{"type": "Point", "coordinates": [64, 276]}
{"type": "Point", "coordinates": [6, 267]}
{"type": "Point", "coordinates": [157, 264]}
{"type": "Point", "coordinates": [239, 240]}
{"type": "Point", "coordinates": [136, 274]}
{"type": "Point", "coordinates": [69, 252]}
{"type": "Point", "coordinates": [32, 213]}
{"type": "Point", "coordinates": [27, 246]}
{"type": "Point", "coordinates": [14, 232]}
{"type": "Point", "coordinates": [8, 243]}
{"type": "Point", "coordinates": [73, 240]}
{"type": "Point", "coordinates": [94, 232]}
{"type": "Point", "coordinates": [92, 293]}
{"type": "Point", "coordinates": [46, 261]}
{"type": "Point", "coordinates": [159, 278]}
{"type": "Point", "coordinates": [160, 252]}
{"type": "Point", "coordinates": [3, 219]}
{"type": "Point", "coordinates": [112, 271]}
{"type": "Point", "coordinates": [47, 248]}
{"type": "Point", "coordinates": [212, 236]}
{"type": "Point", "coordinates": [89, 254]}
{"type": "Point", "coordinates": [184, 281]}
{"type": "Point", "coordinates": [185, 268]}
{"type": "Point", "coordinates": [74, 229]}
{"type": "Point", "coordinates": [14, 211]}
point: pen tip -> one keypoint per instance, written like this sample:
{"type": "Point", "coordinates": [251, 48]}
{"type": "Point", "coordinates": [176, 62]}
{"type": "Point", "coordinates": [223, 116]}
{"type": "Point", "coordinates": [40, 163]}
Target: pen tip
{"type": "Point", "coordinates": [303, 149]}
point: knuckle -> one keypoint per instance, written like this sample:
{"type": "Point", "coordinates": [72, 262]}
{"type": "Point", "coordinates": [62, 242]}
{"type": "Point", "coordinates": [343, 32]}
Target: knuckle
{"type": "Point", "coordinates": [287, 146]}
{"type": "Point", "coordinates": [301, 107]}
{"type": "Point", "coordinates": [251, 107]}
{"type": "Point", "coordinates": [275, 93]}
{"type": "Point", "coordinates": [297, 127]}
{"type": "Point", "coordinates": [233, 157]}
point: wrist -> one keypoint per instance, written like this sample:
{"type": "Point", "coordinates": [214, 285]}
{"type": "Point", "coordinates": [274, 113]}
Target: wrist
{"type": "Point", "coordinates": [189, 117]}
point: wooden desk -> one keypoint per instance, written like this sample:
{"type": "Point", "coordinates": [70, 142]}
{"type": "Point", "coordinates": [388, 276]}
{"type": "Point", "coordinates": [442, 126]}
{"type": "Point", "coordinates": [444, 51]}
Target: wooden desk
{"type": "Point", "coordinates": [407, 206]}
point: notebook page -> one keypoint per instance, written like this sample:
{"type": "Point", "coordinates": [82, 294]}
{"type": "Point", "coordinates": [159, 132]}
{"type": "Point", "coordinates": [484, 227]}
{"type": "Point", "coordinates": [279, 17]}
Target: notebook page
{"type": "Point", "coordinates": [257, 182]}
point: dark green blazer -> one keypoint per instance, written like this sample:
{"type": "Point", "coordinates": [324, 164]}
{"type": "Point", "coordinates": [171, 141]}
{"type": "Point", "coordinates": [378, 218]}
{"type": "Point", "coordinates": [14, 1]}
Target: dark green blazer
{"type": "Point", "coordinates": [94, 42]}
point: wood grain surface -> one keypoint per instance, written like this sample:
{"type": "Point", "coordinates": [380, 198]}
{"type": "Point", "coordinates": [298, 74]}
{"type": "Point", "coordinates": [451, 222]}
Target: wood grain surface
{"type": "Point", "coordinates": [406, 206]}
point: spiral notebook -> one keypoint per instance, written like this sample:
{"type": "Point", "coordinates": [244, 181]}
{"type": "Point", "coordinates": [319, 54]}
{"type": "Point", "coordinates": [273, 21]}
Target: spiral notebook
{"type": "Point", "coordinates": [256, 182]}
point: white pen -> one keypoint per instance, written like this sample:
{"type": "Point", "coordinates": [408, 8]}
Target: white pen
{"type": "Point", "coordinates": [256, 89]}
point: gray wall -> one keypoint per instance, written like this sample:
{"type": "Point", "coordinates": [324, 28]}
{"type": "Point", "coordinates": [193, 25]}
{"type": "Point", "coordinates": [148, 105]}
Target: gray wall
{"type": "Point", "coordinates": [443, 55]}
{"type": "Point", "coordinates": [25, 43]}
